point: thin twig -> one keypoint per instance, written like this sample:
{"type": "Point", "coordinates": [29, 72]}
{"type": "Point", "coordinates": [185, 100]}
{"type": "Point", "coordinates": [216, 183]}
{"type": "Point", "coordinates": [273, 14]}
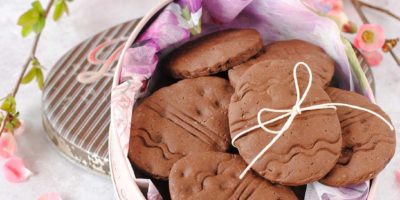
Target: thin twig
{"type": "Point", "coordinates": [362, 3]}
{"type": "Point", "coordinates": [357, 5]}
{"type": "Point", "coordinates": [26, 65]}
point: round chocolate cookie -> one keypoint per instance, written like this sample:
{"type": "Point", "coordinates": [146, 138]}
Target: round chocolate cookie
{"type": "Point", "coordinates": [368, 143]}
{"type": "Point", "coordinates": [186, 117]}
{"type": "Point", "coordinates": [311, 146]}
{"type": "Point", "coordinates": [214, 175]}
{"type": "Point", "coordinates": [292, 51]}
{"type": "Point", "coordinates": [297, 50]}
{"type": "Point", "coordinates": [214, 53]}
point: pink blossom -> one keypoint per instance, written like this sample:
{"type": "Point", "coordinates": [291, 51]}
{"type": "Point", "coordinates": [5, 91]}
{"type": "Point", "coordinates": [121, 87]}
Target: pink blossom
{"type": "Point", "coordinates": [397, 174]}
{"type": "Point", "coordinates": [15, 171]}
{"type": "Point", "coordinates": [373, 58]}
{"type": "Point", "coordinates": [8, 145]}
{"type": "Point", "coordinates": [370, 37]}
{"type": "Point", "coordinates": [50, 196]}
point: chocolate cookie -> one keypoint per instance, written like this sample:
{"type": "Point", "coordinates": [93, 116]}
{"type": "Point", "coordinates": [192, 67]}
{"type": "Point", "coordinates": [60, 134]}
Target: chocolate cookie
{"type": "Point", "coordinates": [292, 51]}
{"type": "Point", "coordinates": [214, 53]}
{"type": "Point", "coordinates": [213, 175]}
{"type": "Point", "coordinates": [308, 150]}
{"type": "Point", "coordinates": [186, 117]}
{"type": "Point", "coordinates": [368, 143]}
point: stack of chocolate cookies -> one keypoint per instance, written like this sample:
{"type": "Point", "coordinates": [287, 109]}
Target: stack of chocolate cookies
{"type": "Point", "coordinates": [182, 133]}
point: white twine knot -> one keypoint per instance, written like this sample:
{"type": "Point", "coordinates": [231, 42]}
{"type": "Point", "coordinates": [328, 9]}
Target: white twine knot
{"type": "Point", "coordinates": [291, 114]}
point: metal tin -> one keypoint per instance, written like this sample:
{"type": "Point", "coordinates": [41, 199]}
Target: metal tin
{"type": "Point", "coordinates": [76, 116]}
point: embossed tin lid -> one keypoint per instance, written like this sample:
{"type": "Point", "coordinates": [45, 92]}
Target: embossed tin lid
{"type": "Point", "coordinates": [76, 115]}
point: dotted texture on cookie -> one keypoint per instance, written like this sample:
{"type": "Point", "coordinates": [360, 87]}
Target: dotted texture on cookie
{"type": "Point", "coordinates": [368, 143]}
{"type": "Point", "coordinates": [186, 117]}
{"type": "Point", "coordinates": [214, 175]}
{"type": "Point", "coordinates": [214, 53]}
{"type": "Point", "coordinates": [308, 150]}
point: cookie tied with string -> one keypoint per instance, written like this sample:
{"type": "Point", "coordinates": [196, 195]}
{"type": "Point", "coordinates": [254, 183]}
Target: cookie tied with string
{"type": "Point", "coordinates": [186, 117]}
{"type": "Point", "coordinates": [214, 175]}
{"type": "Point", "coordinates": [310, 147]}
{"type": "Point", "coordinates": [368, 143]}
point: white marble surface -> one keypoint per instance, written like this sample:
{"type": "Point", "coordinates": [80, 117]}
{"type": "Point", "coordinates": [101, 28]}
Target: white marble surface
{"type": "Point", "coordinates": [53, 173]}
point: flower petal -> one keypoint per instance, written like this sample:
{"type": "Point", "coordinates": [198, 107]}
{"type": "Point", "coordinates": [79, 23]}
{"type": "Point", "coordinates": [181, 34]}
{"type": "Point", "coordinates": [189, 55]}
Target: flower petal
{"type": "Point", "coordinates": [15, 171]}
{"type": "Point", "coordinates": [373, 58]}
{"type": "Point", "coordinates": [50, 196]}
{"type": "Point", "coordinates": [397, 174]}
{"type": "Point", "coordinates": [378, 37]}
{"type": "Point", "coordinates": [8, 145]}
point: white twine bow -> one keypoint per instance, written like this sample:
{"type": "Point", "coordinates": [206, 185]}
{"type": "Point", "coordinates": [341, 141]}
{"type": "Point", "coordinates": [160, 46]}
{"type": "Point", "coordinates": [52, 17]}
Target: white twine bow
{"type": "Point", "coordinates": [291, 114]}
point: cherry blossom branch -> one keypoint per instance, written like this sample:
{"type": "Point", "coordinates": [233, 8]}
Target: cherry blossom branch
{"type": "Point", "coordinates": [358, 5]}
{"type": "Point", "coordinates": [362, 3]}
{"type": "Point", "coordinates": [25, 66]}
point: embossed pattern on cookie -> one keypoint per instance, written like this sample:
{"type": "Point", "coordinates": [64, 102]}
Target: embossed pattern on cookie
{"type": "Point", "coordinates": [368, 143]}
{"type": "Point", "coordinates": [186, 117]}
{"type": "Point", "coordinates": [214, 175]}
{"type": "Point", "coordinates": [308, 149]}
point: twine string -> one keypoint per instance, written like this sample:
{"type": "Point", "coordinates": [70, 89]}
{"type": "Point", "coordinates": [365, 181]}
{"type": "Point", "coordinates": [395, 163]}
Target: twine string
{"type": "Point", "coordinates": [291, 115]}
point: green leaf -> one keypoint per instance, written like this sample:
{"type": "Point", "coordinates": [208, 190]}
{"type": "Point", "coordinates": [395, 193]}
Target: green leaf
{"type": "Point", "coordinates": [9, 105]}
{"type": "Point", "coordinates": [32, 20]}
{"type": "Point", "coordinates": [29, 18]}
{"type": "Point", "coordinates": [36, 5]}
{"type": "Point", "coordinates": [29, 76]}
{"type": "Point", "coordinates": [61, 7]}
{"type": "Point", "coordinates": [39, 78]}
{"type": "Point", "coordinates": [39, 25]}
{"type": "Point", "coordinates": [26, 30]}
